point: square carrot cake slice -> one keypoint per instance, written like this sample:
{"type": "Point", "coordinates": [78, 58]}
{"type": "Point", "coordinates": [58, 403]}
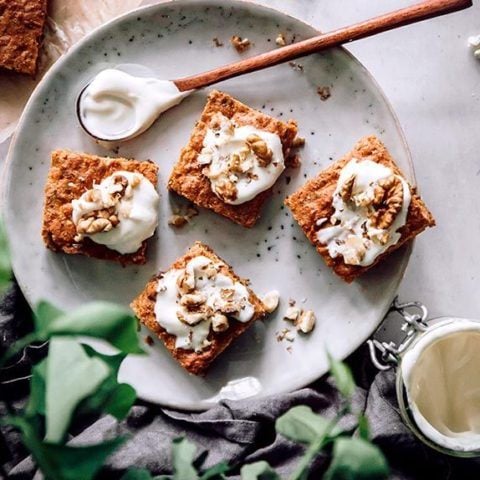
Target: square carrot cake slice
{"type": "Point", "coordinates": [234, 157]}
{"type": "Point", "coordinates": [100, 207]}
{"type": "Point", "coordinates": [21, 30]}
{"type": "Point", "coordinates": [359, 209]}
{"type": "Point", "coordinates": [198, 307]}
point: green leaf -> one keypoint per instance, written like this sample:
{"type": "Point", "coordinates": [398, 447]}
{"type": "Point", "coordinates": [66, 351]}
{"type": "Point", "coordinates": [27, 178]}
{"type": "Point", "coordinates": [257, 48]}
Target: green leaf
{"type": "Point", "coordinates": [363, 427]}
{"type": "Point", "coordinates": [45, 313]}
{"type": "Point", "coordinates": [61, 462]}
{"type": "Point", "coordinates": [183, 456]}
{"type": "Point", "coordinates": [111, 397]}
{"type": "Point", "coordinates": [258, 471]}
{"type": "Point", "coordinates": [356, 459]}
{"type": "Point", "coordinates": [301, 424]}
{"type": "Point", "coordinates": [343, 377]}
{"type": "Point", "coordinates": [36, 401]}
{"type": "Point", "coordinates": [5, 264]}
{"type": "Point", "coordinates": [137, 474]}
{"type": "Point", "coordinates": [103, 320]}
{"type": "Point", "coordinates": [71, 376]}
{"type": "Point", "coordinates": [216, 472]}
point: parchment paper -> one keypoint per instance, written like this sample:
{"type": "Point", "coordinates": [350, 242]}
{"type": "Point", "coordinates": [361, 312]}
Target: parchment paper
{"type": "Point", "coordinates": [68, 21]}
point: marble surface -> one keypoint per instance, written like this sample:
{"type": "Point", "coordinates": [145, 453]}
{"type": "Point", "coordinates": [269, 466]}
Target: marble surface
{"type": "Point", "coordinates": [433, 81]}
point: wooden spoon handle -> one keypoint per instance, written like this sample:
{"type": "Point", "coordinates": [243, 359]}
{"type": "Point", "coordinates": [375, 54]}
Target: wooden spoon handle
{"type": "Point", "coordinates": [405, 16]}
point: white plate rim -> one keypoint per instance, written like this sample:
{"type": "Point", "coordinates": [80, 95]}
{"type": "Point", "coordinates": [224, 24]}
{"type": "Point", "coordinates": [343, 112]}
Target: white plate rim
{"type": "Point", "coordinates": [203, 405]}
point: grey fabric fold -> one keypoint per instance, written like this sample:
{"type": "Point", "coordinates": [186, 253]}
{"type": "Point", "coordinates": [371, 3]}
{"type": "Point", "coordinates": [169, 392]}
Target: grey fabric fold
{"type": "Point", "coordinates": [244, 431]}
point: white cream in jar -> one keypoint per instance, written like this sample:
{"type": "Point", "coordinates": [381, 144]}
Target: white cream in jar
{"type": "Point", "coordinates": [353, 235]}
{"type": "Point", "coordinates": [134, 207]}
{"type": "Point", "coordinates": [119, 106]}
{"type": "Point", "coordinates": [206, 285]}
{"type": "Point", "coordinates": [441, 377]}
{"type": "Point", "coordinates": [236, 173]}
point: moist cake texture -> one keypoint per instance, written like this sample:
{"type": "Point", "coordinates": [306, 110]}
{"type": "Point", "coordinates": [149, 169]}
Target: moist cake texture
{"type": "Point", "coordinates": [21, 30]}
{"type": "Point", "coordinates": [314, 202]}
{"type": "Point", "coordinates": [196, 362]}
{"type": "Point", "coordinates": [71, 175]}
{"type": "Point", "coordinates": [187, 178]}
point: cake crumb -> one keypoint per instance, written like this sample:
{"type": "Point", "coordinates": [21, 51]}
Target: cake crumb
{"type": "Point", "coordinates": [240, 44]}
{"type": "Point", "coordinates": [285, 334]}
{"type": "Point", "coordinates": [217, 42]}
{"type": "Point", "coordinates": [149, 340]}
{"type": "Point", "coordinates": [298, 142]}
{"type": "Point", "coordinates": [324, 92]}
{"type": "Point", "coordinates": [296, 66]}
{"type": "Point", "coordinates": [180, 217]}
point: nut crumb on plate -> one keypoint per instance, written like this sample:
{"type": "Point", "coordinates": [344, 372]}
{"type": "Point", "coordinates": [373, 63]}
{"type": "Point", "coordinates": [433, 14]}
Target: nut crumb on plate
{"type": "Point", "coordinates": [324, 92]}
{"type": "Point", "coordinates": [217, 42]}
{"type": "Point", "coordinates": [280, 40]}
{"type": "Point", "coordinates": [296, 66]}
{"type": "Point", "coordinates": [306, 321]}
{"type": "Point", "coordinates": [298, 142]}
{"type": "Point", "coordinates": [181, 217]}
{"type": "Point", "coordinates": [240, 44]}
{"type": "Point", "coordinates": [285, 334]}
{"type": "Point", "coordinates": [270, 301]}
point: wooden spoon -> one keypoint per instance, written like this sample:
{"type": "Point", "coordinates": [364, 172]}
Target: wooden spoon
{"type": "Point", "coordinates": [415, 13]}
{"type": "Point", "coordinates": [389, 21]}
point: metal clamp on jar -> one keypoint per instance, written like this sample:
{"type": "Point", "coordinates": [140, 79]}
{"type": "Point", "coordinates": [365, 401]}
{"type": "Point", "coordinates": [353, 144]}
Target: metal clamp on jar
{"type": "Point", "coordinates": [437, 377]}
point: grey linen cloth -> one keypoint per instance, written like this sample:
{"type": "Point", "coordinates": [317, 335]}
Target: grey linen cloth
{"type": "Point", "coordinates": [235, 431]}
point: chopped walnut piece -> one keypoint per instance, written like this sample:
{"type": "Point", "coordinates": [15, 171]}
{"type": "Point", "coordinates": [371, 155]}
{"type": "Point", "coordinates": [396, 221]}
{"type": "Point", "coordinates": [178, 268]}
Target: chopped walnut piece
{"type": "Point", "coordinates": [270, 301]}
{"type": "Point", "coordinates": [260, 149]}
{"type": "Point", "coordinates": [93, 225]}
{"type": "Point", "coordinates": [192, 300]}
{"type": "Point", "coordinates": [219, 322]}
{"type": "Point", "coordinates": [192, 318]}
{"type": "Point", "coordinates": [185, 282]}
{"type": "Point", "coordinates": [292, 313]}
{"type": "Point", "coordinates": [180, 218]}
{"type": "Point", "coordinates": [389, 198]}
{"type": "Point", "coordinates": [298, 142]}
{"type": "Point", "coordinates": [324, 92]}
{"type": "Point", "coordinates": [177, 220]}
{"type": "Point", "coordinates": [280, 40]}
{"type": "Point", "coordinates": [306, 321]}
{"type": "Point", "coordinates": [347, 188]}
{"type": "Point", "coordinates": [354, 251]}
{"type": "Point", "coordinates": [217, 42]}
{"type": "Point", "coordinates": [226, 189]}
{"type": "Point", "coordinates": [240, 44]}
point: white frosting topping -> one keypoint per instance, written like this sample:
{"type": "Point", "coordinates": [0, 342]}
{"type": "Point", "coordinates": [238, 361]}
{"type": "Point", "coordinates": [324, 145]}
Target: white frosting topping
{"type": "Point", "coordinates": [352, 233]}
{"type": "Point", "coordinates": [135, 208]}
{"type": "Point", "coordinates": [440, 374]}
{"type": "Point", "coordinates": [213, 293]}
{"type": "Point", "coordinates": [250, 176]}
{"type": "Point", "coordinates": [119, 106]}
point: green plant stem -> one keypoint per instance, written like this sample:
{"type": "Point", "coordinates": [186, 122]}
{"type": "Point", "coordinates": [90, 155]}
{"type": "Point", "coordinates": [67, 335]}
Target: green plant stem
{"type": "Point", "coordinates": [17, 347]}
{"type": "Point", "coordinates": [318, 445]}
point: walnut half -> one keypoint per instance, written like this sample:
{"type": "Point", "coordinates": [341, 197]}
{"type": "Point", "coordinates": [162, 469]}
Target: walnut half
{"type": "Point", "coordinates": [388, 200]}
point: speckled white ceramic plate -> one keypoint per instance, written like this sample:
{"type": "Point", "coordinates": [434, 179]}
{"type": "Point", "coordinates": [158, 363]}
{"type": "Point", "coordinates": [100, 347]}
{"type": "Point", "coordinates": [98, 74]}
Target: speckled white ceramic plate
{"type": "Point", "coordinates": [175, 39]}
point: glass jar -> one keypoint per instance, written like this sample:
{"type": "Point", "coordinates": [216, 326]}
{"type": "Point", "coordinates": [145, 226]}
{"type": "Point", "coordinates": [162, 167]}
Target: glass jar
{"type": "Point", "coordinates": [386, 355]}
